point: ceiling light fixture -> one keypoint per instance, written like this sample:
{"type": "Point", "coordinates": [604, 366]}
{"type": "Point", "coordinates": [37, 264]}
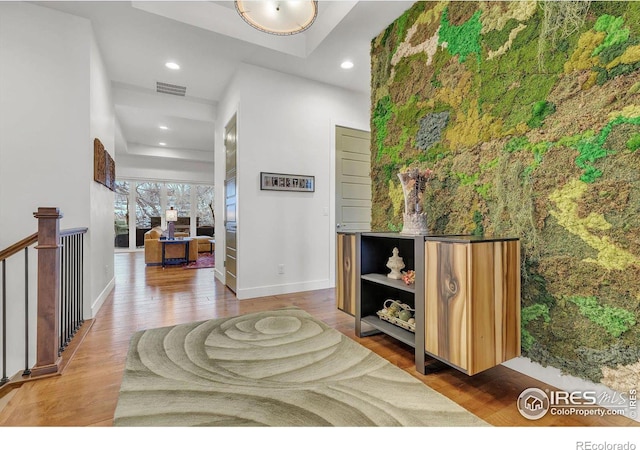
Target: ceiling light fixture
{"type": "Point", "coordinates": [172, 65]}
{"type": "Point", "coordinates": [282, 18]}
{"type": "Point", "coordinates": [162, 143]}
{"type": "Point", "coordinates": [163, 127]}
{"type": "Point", "coordinates": [347, 65]}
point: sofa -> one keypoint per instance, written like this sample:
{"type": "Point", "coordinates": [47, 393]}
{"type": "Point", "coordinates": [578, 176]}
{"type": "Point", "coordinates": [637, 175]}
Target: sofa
{"type": "Point", "coordinates": [153, 248]}
{"type": "Point", "coordinates": [204, 245]}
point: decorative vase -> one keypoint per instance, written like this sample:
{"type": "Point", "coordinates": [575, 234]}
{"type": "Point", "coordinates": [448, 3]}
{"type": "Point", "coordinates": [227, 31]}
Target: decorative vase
{"type": "Point", "coordinates": [396, 264]}
{"type": "Point", "coordinates": [414, 182]}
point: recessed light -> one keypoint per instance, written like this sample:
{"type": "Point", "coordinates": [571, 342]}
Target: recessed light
{"type": "Point", "coordinates": [347, 65]}
{"type": "Point", "coordinates": [162, 143]}
{"type": "Point", "coordinates": [163, 127]}
{"type": "Point", "coordinates": [173, 66]}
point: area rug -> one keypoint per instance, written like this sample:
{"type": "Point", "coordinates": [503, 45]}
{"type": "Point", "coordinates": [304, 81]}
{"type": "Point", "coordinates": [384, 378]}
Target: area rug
{"type": "Point", "coordinates": [204, 261]}
{"type": "Point", "coordinates": [281, 368]}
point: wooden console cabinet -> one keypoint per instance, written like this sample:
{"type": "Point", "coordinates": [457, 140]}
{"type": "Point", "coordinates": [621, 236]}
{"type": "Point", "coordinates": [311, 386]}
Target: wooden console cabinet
{"type": "Point", "coordinates": [466, 296]}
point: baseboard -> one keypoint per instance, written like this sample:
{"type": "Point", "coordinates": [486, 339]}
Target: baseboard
{"type": "Point", "coordinates": [568, 383]}
{"type": "Point", "coordinates": [219, 276]}
{"type": "Point", "coordinates": [97, 304]}
{"type": "Point", "coordinates": [277, 289]}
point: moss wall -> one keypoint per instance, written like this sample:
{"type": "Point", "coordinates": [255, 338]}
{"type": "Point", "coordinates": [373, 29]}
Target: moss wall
{"type": "Point", "coordinates": [529, 115]}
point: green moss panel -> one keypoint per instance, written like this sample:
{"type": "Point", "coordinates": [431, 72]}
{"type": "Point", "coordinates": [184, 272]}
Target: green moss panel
{"type": "Point", "coordinates": [531, 125]}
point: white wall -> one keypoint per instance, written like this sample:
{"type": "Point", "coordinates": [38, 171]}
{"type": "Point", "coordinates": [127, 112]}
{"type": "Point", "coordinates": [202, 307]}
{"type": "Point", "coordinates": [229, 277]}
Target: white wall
{"type": "Point", "coordinates": [286, 125]}
{"type": "Point", "coordinates": [99, 241]}
{"type": "Point", "coordinates": [47, 121]}
{"type": "Point", "coordinates": [44, 117]}
{"type": "Point", "coordinates": [161, 169]}
{"type": "Point", "coordinates": [229, 106]}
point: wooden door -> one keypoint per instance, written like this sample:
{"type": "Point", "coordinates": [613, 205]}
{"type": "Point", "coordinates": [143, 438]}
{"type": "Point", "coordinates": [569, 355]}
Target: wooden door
{"type": "Point", "coordinates": [353, 180]}
{"type": "Point", "coordinates": [231, 205]}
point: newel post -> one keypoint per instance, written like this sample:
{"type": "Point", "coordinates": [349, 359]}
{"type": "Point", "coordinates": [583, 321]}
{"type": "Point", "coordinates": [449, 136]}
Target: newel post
{"type": "Point", "coordinates": [48, 359]}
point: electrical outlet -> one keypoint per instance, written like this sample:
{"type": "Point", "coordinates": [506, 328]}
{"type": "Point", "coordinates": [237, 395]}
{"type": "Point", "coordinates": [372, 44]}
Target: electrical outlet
{"type": "Point", "coordinates": [280, 269]}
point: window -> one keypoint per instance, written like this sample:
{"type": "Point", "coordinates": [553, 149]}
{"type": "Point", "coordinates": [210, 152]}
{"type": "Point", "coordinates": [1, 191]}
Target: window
{"type": "Point", "coordinates": [121, 214]}
{"type": "Point", "coordinates": [204, 206]}
{"type": "Point", "coordinates": [179, 196]}
{"type": "Point", "coordinates": [147, 203]}
{"type": "Point", "coordinates": [193, 201]}
{"type": "Point", "coordinates": [121, 208]}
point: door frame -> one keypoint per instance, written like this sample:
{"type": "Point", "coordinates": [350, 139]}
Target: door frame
{"type": "Point", "coordinates": [233, 120]}
{"type": "Point", "coordinates": [332, 192]}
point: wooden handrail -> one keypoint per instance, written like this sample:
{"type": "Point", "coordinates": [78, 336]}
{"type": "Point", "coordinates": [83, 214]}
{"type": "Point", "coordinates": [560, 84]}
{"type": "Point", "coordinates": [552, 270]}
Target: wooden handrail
{"type": "Point", "coordinates": [18, 246]}
{"type": "Point", "coordinates": [30, 240]}
{"type": "Point", "coordinates": [72, 231]}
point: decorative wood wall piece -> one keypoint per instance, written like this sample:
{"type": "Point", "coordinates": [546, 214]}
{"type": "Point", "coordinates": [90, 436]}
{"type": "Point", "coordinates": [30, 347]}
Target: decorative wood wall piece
{"type": "Point", "coordinates": [110, 181]}
{"type": "Point", "coordinates": [346, 273]}
{"type": "Point", "coordinates": [472, 307]}
{"type": "Point", "coordinates": [99, 162]}
{"type": "Point", "coordinates": [104, 166]}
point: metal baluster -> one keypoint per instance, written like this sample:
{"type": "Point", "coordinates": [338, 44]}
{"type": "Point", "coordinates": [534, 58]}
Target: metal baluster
{"type": "Point", "coordinates": [74, 302]}
{"type": "Point", "coordinates": [67, 301]}
{"type": "Point", "coordinates": [27, 371]}
{"type": "Point", "coordinates": [75, 286]}
{"type": "Point", "coordinates": [81, 302]}
{"type": "Point", "coordinates": [71, 269]}
{"type": "Point", "coordinates": [77, 282]}
{"type": "Point", "coordinates": [66, 294]}
{"type": "Point", "coordinates": [61, 303]}
{"type": "Point", "coordinates": [63, 299]}
{"type": "Point", "coordinates": [78, 268]}
{"type": "Point", "coordinates": [4, 323]}
{"type": "Point", "coordinates": [72, 287]}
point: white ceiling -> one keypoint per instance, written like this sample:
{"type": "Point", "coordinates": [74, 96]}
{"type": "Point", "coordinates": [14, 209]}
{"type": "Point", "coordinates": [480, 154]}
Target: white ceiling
{"type": "Point", "coordinates": [209, 40]}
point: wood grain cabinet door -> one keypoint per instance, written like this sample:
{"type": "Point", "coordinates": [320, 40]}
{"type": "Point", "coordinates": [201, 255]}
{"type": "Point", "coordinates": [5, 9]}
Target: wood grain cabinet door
{"type": "Point", "coordinates": [446, 303]}
{"type": "Point", "coordinates": [472, 303]}
{"type": "Point", "coordinates": [346, 273]}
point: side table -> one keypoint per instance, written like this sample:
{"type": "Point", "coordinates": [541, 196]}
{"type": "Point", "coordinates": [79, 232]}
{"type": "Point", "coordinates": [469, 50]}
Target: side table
{"type": "Point", "coordinates": [183, 241]}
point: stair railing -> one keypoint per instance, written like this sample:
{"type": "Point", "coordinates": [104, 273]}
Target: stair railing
{"type": "Point", "coordinates": [59, 294]}
{"type": "Point", "coordinates": [16, 248]}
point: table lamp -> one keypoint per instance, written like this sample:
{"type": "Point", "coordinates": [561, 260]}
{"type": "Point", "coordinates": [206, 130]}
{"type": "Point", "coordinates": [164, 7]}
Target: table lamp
{"type": "Point", "coordinates": [172, 218]}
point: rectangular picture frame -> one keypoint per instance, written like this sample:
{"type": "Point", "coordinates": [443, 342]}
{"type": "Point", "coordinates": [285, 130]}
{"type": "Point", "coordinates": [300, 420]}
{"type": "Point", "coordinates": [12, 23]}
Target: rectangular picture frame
{"type": "Point", "coordinates": [270, 181]}
{"type": "Point", "coordinates": [99, 162]}
{"type": "Point", "coordinates": [104, 166]}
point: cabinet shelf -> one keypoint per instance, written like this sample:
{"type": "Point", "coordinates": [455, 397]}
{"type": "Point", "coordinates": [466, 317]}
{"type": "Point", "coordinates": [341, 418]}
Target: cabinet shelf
{"type": "Point", "coordinates": [386, 281]}
{"type": "Point", "coordinates": [460, 284]}
{"type": "Point", "coordinates": [392, 330]}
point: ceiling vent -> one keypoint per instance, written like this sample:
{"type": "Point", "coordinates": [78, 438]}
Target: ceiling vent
{"type": "Point", "coordinates": [173, 89]}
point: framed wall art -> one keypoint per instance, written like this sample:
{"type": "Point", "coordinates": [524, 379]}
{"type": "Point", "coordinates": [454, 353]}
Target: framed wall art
{"type": "Point", "coordinates": [285, 182]}
{"type": "Point", "coordinates": [104, 167]}
{"type": "Point", "coordinates": [99, 162]}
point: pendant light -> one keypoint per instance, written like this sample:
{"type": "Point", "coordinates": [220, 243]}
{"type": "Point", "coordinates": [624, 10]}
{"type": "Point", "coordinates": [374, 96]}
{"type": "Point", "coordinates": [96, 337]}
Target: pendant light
{"type": "Point", "coordinates": [282, 18]}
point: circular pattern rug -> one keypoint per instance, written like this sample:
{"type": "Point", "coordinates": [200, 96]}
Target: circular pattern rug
{"type": "Point", "coordinates": [273, 368]}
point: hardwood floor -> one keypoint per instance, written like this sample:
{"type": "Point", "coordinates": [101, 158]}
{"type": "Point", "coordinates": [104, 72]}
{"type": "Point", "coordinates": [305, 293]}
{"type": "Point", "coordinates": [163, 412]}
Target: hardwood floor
{"type": "Point", "coordinates": [150, 297]}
